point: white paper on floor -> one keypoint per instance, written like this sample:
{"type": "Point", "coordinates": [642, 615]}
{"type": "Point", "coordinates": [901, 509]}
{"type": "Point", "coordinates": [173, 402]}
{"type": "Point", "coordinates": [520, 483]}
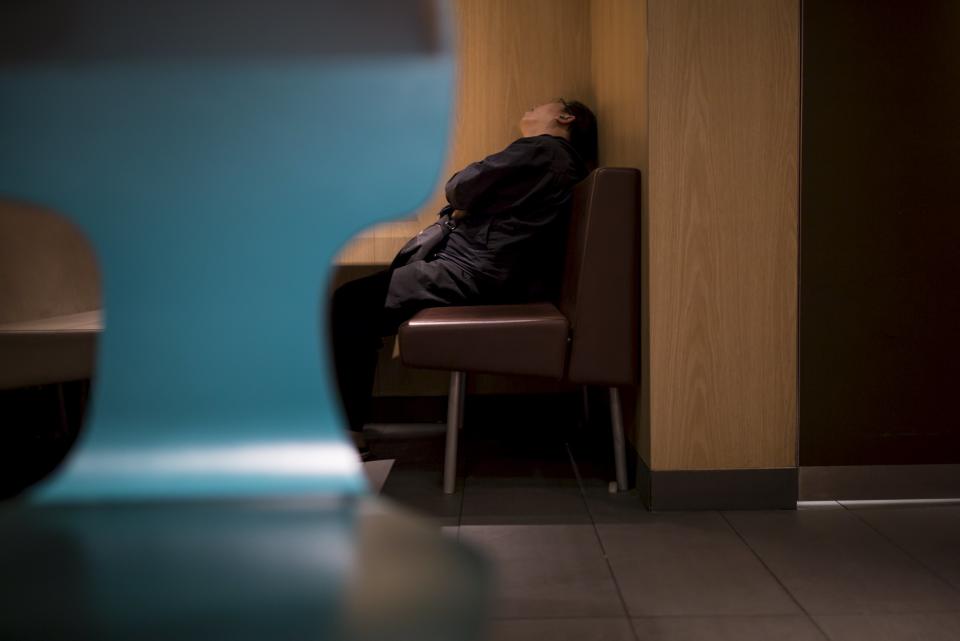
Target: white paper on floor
{"type": "Point", "coordinates": [377, 472]}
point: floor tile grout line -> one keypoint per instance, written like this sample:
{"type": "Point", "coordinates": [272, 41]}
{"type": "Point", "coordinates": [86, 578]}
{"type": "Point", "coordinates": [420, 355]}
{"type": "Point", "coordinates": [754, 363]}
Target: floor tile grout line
{"type": "Point", "coordinates": [603, 550]}
{"type": "Point", "coordinates": [907, 553]}
{"type": "Point", "coordinates": [774, 575]}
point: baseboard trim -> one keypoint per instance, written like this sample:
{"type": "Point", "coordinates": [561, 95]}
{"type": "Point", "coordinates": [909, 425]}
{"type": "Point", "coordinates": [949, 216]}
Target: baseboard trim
{"type": "Point", "coordinates": [752, 489]}
{"type": "Point", "coordinates": [879, 482]}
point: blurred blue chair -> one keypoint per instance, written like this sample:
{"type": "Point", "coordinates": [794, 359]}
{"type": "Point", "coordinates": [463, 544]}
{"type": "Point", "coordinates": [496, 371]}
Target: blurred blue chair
{"type": "Point", "coordinates": [217, 155]}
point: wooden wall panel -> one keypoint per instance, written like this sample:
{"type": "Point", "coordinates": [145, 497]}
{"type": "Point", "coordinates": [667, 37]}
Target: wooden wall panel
{"type": "Point", "coordinates": [723, 232]}
{"type": "Point", "coordinates": [880, 302]}
{"type": "Point", "coordinates": [619, 76]}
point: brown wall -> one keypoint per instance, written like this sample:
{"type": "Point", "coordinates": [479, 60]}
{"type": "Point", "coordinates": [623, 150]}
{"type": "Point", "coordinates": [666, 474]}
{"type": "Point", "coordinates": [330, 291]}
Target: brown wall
{"type": "Point", "coordinates": [880, 269]}
{"type": "Point", "coordinates": [618, 68]}
{"type": "Point", "coordinates": [724, 89]}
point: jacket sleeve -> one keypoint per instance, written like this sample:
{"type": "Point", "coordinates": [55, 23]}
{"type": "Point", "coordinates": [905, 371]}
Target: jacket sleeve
{"type": "Point", "coordinates": [502, 180]}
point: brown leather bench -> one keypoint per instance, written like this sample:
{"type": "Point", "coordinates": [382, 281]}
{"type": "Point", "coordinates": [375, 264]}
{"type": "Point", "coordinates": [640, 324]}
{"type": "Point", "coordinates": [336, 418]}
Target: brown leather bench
{"type": "Point", "coordinates": [590, 337]}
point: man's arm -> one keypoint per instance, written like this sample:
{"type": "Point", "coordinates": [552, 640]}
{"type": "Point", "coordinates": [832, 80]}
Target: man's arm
{"type": "Point", "coordinates": [500, 180]}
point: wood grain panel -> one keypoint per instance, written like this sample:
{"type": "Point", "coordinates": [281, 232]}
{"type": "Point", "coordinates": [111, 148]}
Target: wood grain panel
{"type": "Point", "coordinates": [723, 229]}
{"type": "Point", "coordinates": [619, 77]}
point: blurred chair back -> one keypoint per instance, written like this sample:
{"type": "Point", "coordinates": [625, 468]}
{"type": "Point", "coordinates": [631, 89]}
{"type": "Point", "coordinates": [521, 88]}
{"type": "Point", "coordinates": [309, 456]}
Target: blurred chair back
{"type": "Point", "coordinates": [217, 155]}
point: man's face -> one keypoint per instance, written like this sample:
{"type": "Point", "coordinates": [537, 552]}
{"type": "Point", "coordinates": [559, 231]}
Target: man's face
{"type": "Point", "coordinates": [537, 119]}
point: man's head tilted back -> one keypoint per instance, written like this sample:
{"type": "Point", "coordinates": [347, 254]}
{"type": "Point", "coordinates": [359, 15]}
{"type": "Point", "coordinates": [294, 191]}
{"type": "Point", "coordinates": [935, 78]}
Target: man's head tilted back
{"type": "Point", "coordinates": [571, 120]}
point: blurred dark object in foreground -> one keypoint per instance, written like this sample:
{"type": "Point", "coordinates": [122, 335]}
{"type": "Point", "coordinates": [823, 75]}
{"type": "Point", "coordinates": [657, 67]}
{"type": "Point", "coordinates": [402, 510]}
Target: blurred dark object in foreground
{"type": "Point", "coordinates": [97, 30]}
{"type": "Point", "coordinates": [311, 568]}
{"type": "Point", "coordinates": [40, 425]}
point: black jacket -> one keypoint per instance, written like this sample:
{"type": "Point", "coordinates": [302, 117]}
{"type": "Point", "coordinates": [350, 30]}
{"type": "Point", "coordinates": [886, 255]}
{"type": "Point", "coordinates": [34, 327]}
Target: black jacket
{"type": "Point", "coordinates": [517, 201]}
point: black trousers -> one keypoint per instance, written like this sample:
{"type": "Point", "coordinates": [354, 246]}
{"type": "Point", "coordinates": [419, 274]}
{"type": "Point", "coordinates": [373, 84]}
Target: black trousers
{"type": "Point", "coordinates": [365, 310]}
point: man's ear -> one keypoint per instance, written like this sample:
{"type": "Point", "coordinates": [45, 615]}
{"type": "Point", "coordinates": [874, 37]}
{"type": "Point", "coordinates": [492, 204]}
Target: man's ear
{"type": "Point", "coordinates": [565, 119]}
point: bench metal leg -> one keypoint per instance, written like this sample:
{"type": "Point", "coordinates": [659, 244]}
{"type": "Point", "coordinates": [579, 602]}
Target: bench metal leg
{"type": "Point", "coordinates": [619, 449]}
{"type": "Point", "coordinates": [458, 390]}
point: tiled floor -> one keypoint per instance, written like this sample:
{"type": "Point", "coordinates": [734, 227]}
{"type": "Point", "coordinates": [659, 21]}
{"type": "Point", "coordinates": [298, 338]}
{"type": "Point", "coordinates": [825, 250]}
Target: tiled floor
{"type": "Point", "coordinates": [574, 562]}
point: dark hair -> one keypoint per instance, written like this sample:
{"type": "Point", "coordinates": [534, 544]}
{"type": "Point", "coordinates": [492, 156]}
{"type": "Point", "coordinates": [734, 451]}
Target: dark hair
{"type": "Point", "coordinates": [583, 132]}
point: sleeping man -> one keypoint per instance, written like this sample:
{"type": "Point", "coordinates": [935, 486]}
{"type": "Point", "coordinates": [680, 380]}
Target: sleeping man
{"type": "Point", "coordinates": [504, 244]}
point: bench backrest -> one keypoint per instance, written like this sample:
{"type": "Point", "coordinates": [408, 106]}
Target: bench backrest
{"type": "Point", "coordinates": [600, 295]}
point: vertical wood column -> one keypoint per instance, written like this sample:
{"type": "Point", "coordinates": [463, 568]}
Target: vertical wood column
{"type": "Point", "coordinates": [722, 243]}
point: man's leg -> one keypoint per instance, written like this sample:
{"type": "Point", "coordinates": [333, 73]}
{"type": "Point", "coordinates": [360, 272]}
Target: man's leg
{"type": "Point", "coordinates": [424, 284]}
{"type": "Point", "coordinates": [356, 318]}
{"type": "Point", "coordinates": [366, 309]}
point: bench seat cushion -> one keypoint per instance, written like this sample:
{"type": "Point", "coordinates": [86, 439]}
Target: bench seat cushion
{"type": "Point", "coordinates": [526, 339]}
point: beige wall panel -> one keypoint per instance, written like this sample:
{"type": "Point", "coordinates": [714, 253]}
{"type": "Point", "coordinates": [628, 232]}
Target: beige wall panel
{"type": "Point", "coordinates": [724, 118]}
{"type": "Point", "coordinates": [619, 76]}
